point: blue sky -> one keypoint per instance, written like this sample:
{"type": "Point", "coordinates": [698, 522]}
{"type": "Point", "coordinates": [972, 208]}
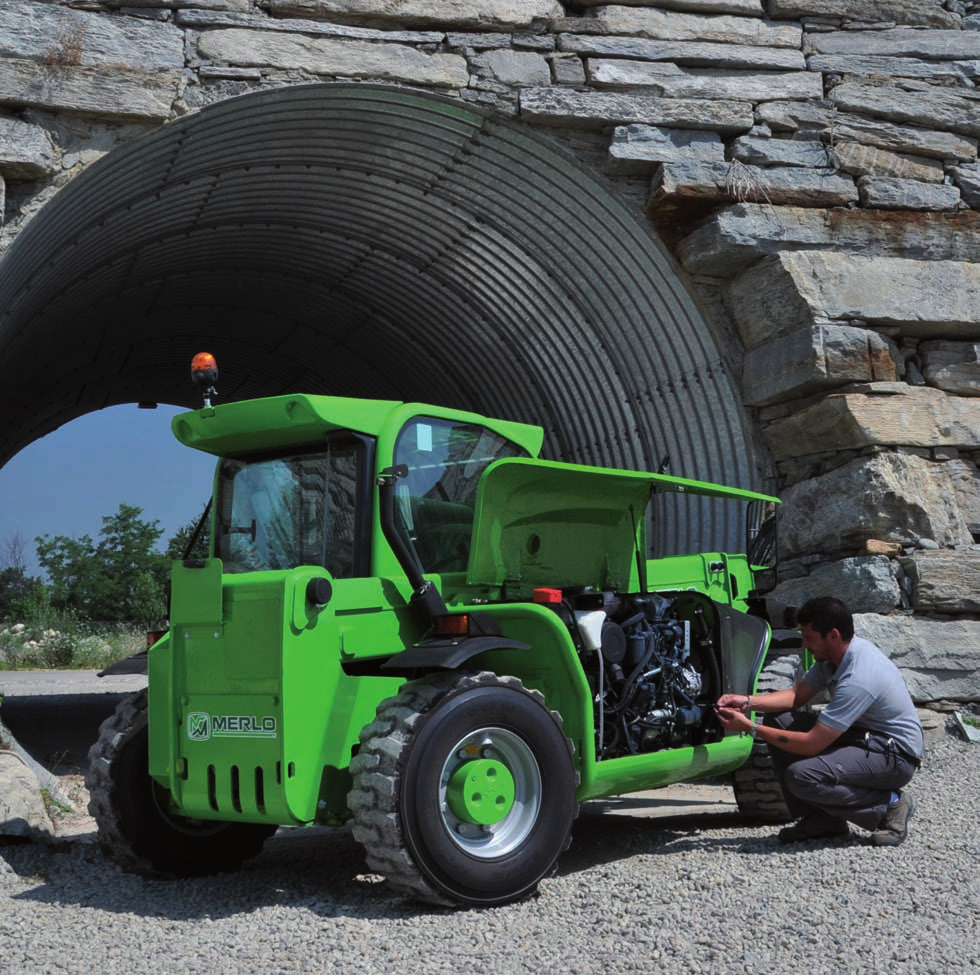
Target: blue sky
{"type": "Point", "coordinates": [66, 482]}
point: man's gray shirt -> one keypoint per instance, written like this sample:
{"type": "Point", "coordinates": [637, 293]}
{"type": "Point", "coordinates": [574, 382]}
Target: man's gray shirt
{"type": "Point", "coordinates": [867, 690]}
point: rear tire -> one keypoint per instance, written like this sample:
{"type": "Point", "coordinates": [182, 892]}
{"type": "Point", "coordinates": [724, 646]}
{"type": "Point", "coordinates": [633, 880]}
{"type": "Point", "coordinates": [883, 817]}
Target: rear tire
{"type": "Point", "coordinates": [464, 790]}
{"type": "Point", "coordinates": [757, 790]}
{"type": "Point", "coordinates": [136, 829]}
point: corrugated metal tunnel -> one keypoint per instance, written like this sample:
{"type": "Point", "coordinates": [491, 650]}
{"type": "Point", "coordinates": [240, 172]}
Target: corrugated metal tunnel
{"type": "Point", "coordinates": [369, 241]}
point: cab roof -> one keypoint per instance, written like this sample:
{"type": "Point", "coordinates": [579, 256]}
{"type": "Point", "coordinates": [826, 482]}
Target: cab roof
{"type": "Point", "coordinates": [272, 423]}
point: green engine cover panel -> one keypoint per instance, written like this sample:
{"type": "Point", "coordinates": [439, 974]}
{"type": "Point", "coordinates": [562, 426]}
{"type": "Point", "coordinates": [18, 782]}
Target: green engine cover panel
{"type": "Point", "coordinates": [554, 524]}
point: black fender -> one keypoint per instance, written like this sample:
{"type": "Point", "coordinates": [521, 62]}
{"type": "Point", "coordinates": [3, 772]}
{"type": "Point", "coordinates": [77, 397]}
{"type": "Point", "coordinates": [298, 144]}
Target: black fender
{"type": "Point", "coordinates": [778, 614]}
{"type": "Point", "coordinates": [447, 654]}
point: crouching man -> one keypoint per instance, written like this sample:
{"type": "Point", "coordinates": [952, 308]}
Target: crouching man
{"type": "Point", "coordinates": [850, 762]}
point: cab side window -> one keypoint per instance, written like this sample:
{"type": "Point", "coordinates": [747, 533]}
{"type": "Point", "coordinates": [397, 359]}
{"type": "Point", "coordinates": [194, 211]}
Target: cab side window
{"type": "Point", "coordinates": [286, 511]}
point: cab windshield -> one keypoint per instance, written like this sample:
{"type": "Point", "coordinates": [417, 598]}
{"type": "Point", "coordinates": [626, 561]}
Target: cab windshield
{"type": "Point", "coordinates": [436, 500]}
{"type": "Point", "coordinates": [291, 510]}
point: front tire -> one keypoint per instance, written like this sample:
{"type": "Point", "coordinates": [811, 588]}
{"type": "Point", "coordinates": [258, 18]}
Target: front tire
{"type": "Point", "coordinates": [464, 790]}
{"type": "Point", "coordinates": [136, 829]}
{"type": "Point", "coordinates": [758, 794]}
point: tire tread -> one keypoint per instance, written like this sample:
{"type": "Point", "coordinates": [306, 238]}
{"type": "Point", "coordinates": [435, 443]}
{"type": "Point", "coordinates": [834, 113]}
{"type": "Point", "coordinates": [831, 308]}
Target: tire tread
{"type": "Point", "coordinates": [376, 772]}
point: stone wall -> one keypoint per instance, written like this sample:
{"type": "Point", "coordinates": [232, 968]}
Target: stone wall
{"type": "Point", "coordinates": [811, 163]}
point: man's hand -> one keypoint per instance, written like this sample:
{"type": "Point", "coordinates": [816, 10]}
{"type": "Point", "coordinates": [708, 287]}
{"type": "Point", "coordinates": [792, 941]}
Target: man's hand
{"type": "Point", "coordinates": [733, 719]}
{"type": "Point", "coordinates": [735, 702]}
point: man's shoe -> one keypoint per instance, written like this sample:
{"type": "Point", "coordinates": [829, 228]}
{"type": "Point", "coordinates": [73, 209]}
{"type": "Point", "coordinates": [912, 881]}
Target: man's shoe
{"type": "Point", "coordinates": [814, 827]}
{"type": "Point", "coordinates": [894, 827]}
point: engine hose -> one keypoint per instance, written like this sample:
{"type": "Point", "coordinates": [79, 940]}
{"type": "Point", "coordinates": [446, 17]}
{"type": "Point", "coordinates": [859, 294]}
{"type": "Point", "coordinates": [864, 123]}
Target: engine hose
{"type": "Point", "coordinates": [629, 685]}
{"type": "Point", "coordinates": [567, 615]}
{"type": "Point", "coordinates": [633, 620]}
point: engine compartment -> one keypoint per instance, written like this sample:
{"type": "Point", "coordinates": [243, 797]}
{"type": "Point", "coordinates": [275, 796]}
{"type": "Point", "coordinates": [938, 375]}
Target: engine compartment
{"type": "Point", "coordinates": [652, 661]}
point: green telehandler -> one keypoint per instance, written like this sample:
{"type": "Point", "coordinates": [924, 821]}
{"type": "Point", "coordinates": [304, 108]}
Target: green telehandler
{"type": "Point", "coordinates": [408, 621]}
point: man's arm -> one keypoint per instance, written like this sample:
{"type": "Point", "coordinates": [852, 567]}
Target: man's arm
{"type": "Point", "coordinates": [805, 743]}
{"type": "Point", "coordinates": [772, 702]}
{"type": "Point", "coordinates": [732, 708]}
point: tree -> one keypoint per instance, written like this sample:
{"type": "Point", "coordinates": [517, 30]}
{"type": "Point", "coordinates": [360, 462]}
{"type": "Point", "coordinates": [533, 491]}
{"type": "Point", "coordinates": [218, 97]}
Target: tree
{"type": "Point", "coordinates": [18, 592]}
{"type": "Point", "coordinates": [126, 551]}
{"type": "Point", "coordinates": [148, 600]}
{"type": "Point", "coordinates": [12, 589]}
{"type": "Point", "coordinates": [72, 570]}
{"type": "Point", "coordinates": [177, 546]}
{"type": "Point", "coordinates": [13, 552]}
{"type": "Point", "coordinates": [120, 578]}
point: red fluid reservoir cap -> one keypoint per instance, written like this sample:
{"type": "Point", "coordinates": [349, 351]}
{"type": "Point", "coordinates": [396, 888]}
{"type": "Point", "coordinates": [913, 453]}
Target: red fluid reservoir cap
{"type": "Point", "coordinates": [547, 597]}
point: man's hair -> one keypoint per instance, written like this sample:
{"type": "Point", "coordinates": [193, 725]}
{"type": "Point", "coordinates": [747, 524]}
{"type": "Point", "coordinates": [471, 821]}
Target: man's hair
{"type": "Point", "coordinates": [825, 613]}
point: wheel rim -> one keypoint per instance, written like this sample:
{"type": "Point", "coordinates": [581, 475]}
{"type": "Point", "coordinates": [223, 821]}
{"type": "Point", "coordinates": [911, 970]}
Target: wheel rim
{"type": "Point", "coordinates": [489, 792]}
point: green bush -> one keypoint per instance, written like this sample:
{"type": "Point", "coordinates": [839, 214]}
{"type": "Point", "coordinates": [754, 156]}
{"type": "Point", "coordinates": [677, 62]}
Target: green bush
{"type": "Point", "coordinates": [73, 646]}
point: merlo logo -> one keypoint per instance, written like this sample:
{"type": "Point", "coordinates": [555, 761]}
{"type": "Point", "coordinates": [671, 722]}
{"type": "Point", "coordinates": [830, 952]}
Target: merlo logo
{"type": "Point", "coordinates": [198, 726]}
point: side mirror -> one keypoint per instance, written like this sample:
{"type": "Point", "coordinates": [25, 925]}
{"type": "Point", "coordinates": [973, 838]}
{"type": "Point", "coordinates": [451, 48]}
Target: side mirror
{"type": "Point", "coordinates": [761, 535]}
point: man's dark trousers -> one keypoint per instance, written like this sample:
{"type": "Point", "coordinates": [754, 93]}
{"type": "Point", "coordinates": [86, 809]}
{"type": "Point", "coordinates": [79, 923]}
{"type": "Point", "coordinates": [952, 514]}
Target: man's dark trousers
{"type": "Point", "coordinates": [853, 779]}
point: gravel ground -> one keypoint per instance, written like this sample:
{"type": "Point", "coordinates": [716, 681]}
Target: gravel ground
{"type": "Point", "coordinates": [633, 894]}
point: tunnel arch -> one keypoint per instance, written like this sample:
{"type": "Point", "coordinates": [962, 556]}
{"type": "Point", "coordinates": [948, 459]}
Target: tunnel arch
{"type": "Point", "coordinates": [370, 241]}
